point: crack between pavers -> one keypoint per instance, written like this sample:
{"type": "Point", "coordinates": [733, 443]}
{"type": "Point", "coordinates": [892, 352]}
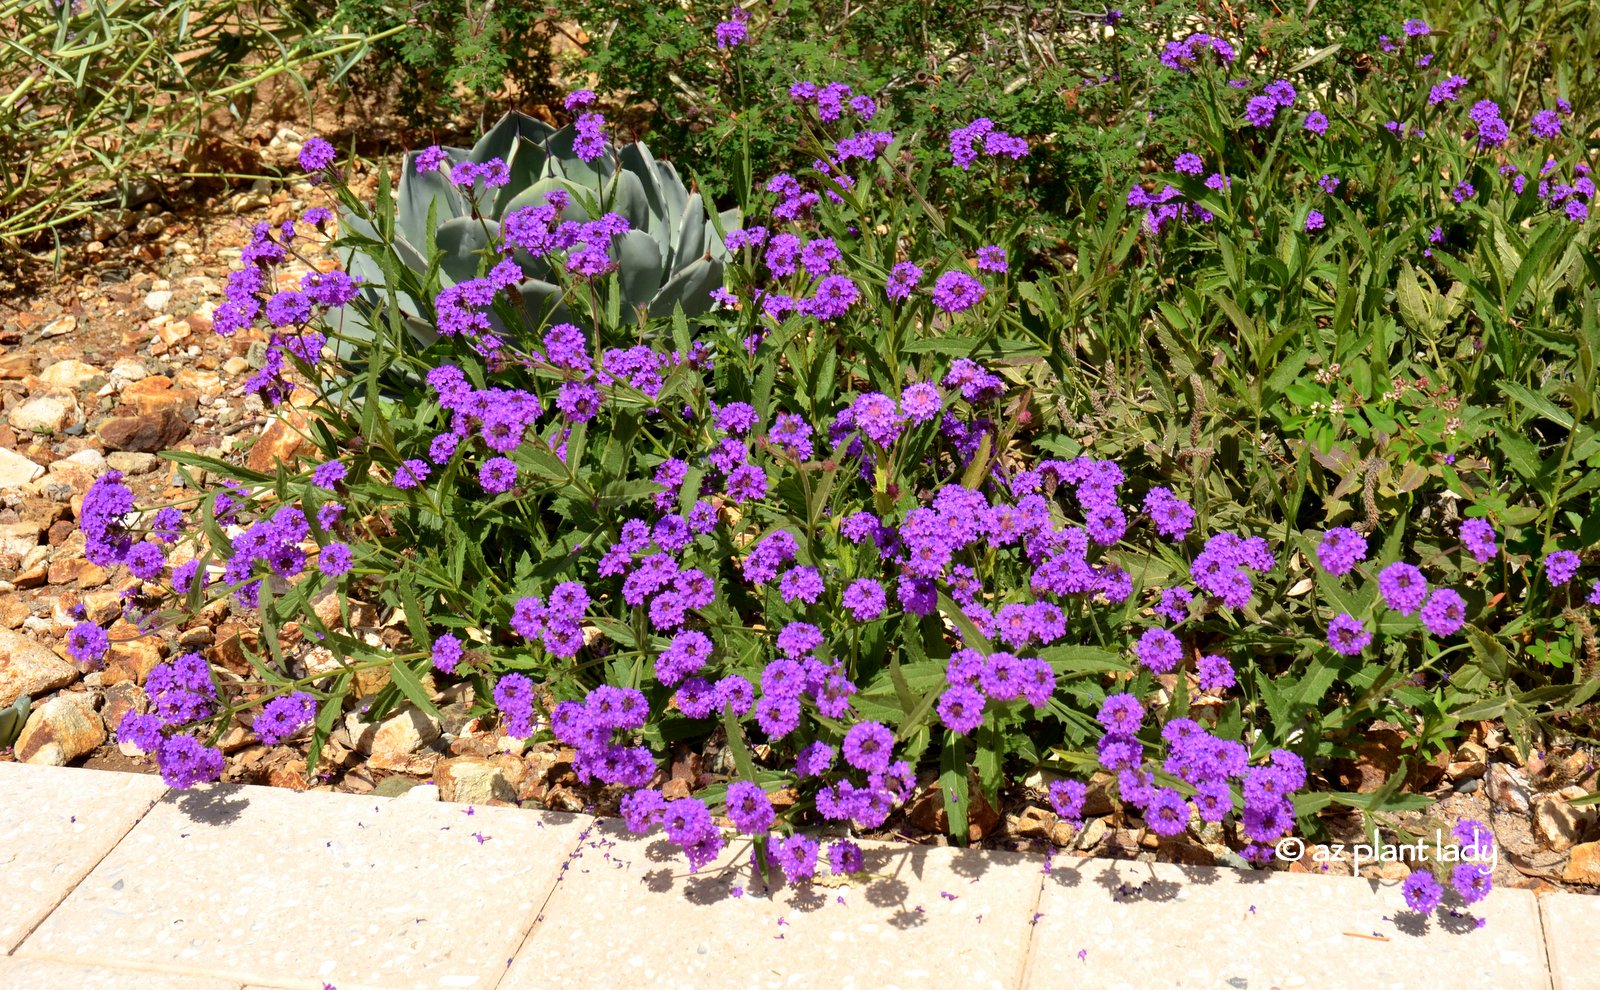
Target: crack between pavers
{"type": "Point", "coordinates": [1544, 942]}
{"type": "Point", "coordinates": [1033, 930]}
{"type": "Point", "coordinates": [85, 875]}
{"type": "Point", "coordinates": [538, 915]}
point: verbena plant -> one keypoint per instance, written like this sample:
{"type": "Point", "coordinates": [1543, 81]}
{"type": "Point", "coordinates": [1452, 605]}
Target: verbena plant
{"type": "Point", "coordinates": [888, 509]}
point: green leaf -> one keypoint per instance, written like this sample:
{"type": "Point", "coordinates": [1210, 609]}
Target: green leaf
{"type": "Point", "coordinates": [407, 681]}
{"type": "Point", "coordinates": [953, 785]}
{"type": "Point", "coordinates": [1536, 402]}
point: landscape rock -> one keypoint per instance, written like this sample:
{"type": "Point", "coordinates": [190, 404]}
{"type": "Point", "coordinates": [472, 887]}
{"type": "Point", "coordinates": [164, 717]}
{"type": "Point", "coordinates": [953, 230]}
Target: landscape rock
{"type": "Point", "coordinates": [133, 659]}
{"type": "Point", "coordinates": [148, 434]}
{"type": "Point", "coordinates": [16, 470]}
{"type": "Point", "coordinates": [20, 537]}
{"type": "Point", "coordinates": [1558, 824]}
{"type": "Point", "coordinates": [132, 462]}
{"type": "Point", "coordinates": [1508, 788]}
{"type": "Point", "coordinates": [472, 780]}
{"type": "Point", "coordinates": [45, 414]}
{"type": "Point", "coordinates": [279, 443]}
{"type": "Point", "coordinates": [59, 731]}
{"type": "Point", "coordinates": [69, 373]}
{"type": "Point", "coordinates": [151, 396]}
{"type": "Point", "coordinates": [27, 668]}
{"type": "Point", "coordinates": [1583, 866]}
{"type": "Point", "coordinates": [403, 732]}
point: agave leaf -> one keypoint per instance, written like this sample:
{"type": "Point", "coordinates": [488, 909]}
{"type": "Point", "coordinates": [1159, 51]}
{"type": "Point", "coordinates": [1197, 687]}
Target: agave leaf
{"type": "Point", "coordinates": [534, 196]}
{"type": "Point", "coordinates": [691, 239]}
{"type": "Point", "coordinates": [638, 267]}
{"type": "Point", "coordinates": [12, 721]}
{"type": "Point", "coordinates": [627, 197]}
{"type": "Point", "coordinates": [691, 287]}
{"type": "Point", "coordinates": [526, 165]}
{"type": "Point", "coordinates": [565, 163]}
{"type": "Point", "coordinates": [637, 160]}
{"type": "Point", "coordinates": [463, 240]}
{"type": "Point", "coordinates": [673, 195]}
{"type": "Point", "coordinates": [502, 138]}
{"type": "Point", "coordinates": [418, 190]}
{"type": "Point", "coordinates": [729, 220]}
{"type": "Point", "coordinates": [542, 305]}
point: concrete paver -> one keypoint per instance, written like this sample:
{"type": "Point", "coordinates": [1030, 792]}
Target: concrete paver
{"type": "Point", "coordinates": [41, 974]}
{"type": "Point", "coordinates": [271, 886]}
{"type": "Point", "coordinates": [929, 917]}
{"type": "Point", "coordinates": [1572, 934]}
{"type": "Point", "coordinates": [58, 824]}
{"type": "Point", "coordinates": [1116, 924]}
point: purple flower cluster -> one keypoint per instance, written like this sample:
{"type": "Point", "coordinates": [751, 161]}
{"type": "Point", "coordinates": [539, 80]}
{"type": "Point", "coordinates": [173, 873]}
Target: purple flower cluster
{"type": "Point", "coordinates": [181, 692]}
{"type": "Point", "coordinates": [1181, 56]}
{"type": "Point", "coordinates": [981, 138]}
{"type": "Point", "coordinates": [591, 726]}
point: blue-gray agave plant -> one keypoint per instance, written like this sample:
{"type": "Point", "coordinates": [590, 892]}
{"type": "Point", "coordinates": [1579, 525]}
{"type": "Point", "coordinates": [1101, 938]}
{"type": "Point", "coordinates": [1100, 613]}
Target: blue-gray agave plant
{"type": "Point", "coordinates": [672, 256]}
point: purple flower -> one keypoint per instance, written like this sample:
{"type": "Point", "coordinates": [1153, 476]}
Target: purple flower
{"type": "Point", "coordinates": [1261, 110]}
{"type": "Point", "coordinates": [1348, 635]}
{"type": "Point", "coordinates": [1479, 539]}
{"type": "Point", "coordinates": [956, 292]}
{"type": "Point", "coordinates": [1472, 881]}
{"type": "Point", "coordinates": [992, 259]}
{"type": "Point", "coordinates": [282, 717]}
{"type": "Point", "coordinates": [513, 693]}
{"type": "Point", "coordinates": [1545, 124]}
{"type": "Point", "coordinates": [869, 746]}
{"type": "Point", "coordinates": [1415, 28]}
{"type": "Point", "coordinates": [498, 475]}
{"type": "Point", "coordinates": [1422, 892]}
{"type": "Point", "coordinates": [1447, 91]}
{"type": "Point", "coordinates": [1158, 650]}
{"type": "Point", "coordinates": [1445, 612]}
{"type": "Point", "coordinates": [1403, 587]}
{"type": "Point", "coordinates": [1067, 797]}
{"type": "Point", "coordinates": [961, 709]}
{"type": "Point", "coordinates": [1188, 163]}
{"type": "Point", "coordinates": [1328, 184]}
{"type": "Point", "coordinates": [798, 639]}
{"type": "Point", "coordinates": [1560, 566]}
{"type": "Point", "coordinates": [316, 155]}
{"type": "Point", "coordinates": [735, 31]}
{"type": "Point", "coordinates": [903, 278]}
{"type": "Point", "coordinates": [1315, 221]}
{"type": "Point", "coordinates": [1121, 714]}
{"type": "Point", "coordinates": [88, 643]}
{"type": "Point", "coordinates": [1317, 122]}
{"type": "Point", "coordinates": [1216, 673]}
{"type": "Point", "coordinates": [446, 652]}
{"type": "Point", "coordinates": [749, 807]}
{"type": "Point", "coordinates": [865, 600]}
{"type": "Point", "coordinates": [184, 762]}
{"type": "Point", "coordinates": [335, 559]}
{"type": "Point", "coordinates": [411, 473]}
{"type": "Point", "coordinates": [328, 475]}
{"type": "Point", "coordinates": [1167, 813]}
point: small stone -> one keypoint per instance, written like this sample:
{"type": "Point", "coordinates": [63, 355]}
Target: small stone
{"type": "Point", "coordinates": [1559, 824]}
{"type": "Point", "coordinates": [1583, 865]}
{"type": "Point", "coordinates": [279, 443]}
{"type": "Point", "coordinates": [158, 300]}
{"type": "Point", "coordinates": [16, 470]}
{"type": "Point", "coordinates": [392, 787]}
{"type": "Point", "coordinates": [404, 732]}
{"type": "Point", "coordinates": [85, 458]}
{"type": "Point", "coordinates": [69, 373]}
{"type": "Point", "coordinates": [27, 668]}
{"type": "Point", "coordinates": [132, 462]}
{"type": "Point", "coordinates": [129, 370]}
{"type": "Point", "coordinates": [1034, 823]}
{"type": "Point", "coordinates": [59, 731]}
{"type": "Point", "coordinates": [154, 394]}
{"type": "Point", "coordinates": [45, 414]}
{"type": "Point", "coordinates": [421, 792]}
{"type": "Point", "coordinates": [120, 700]}
{"type": "Point", "coordinates": [171, 333]}
{"type": "Point", "coordinates": [1508, 788]}
{"type": "Point", "coordinates": [16, 365]}
{"type": "Point", "coordinates": [19, 538]}
{"type": "Point", "coordinates": [59, 326]}
{"type": "Point", "coordinates": [236, 365]}
{"type": "Point", "coordinates": [472, 780]}
{"type": "Point", "coordinates": [133, 659]}
{"type": "Point", "coordinates": [143, 433]}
